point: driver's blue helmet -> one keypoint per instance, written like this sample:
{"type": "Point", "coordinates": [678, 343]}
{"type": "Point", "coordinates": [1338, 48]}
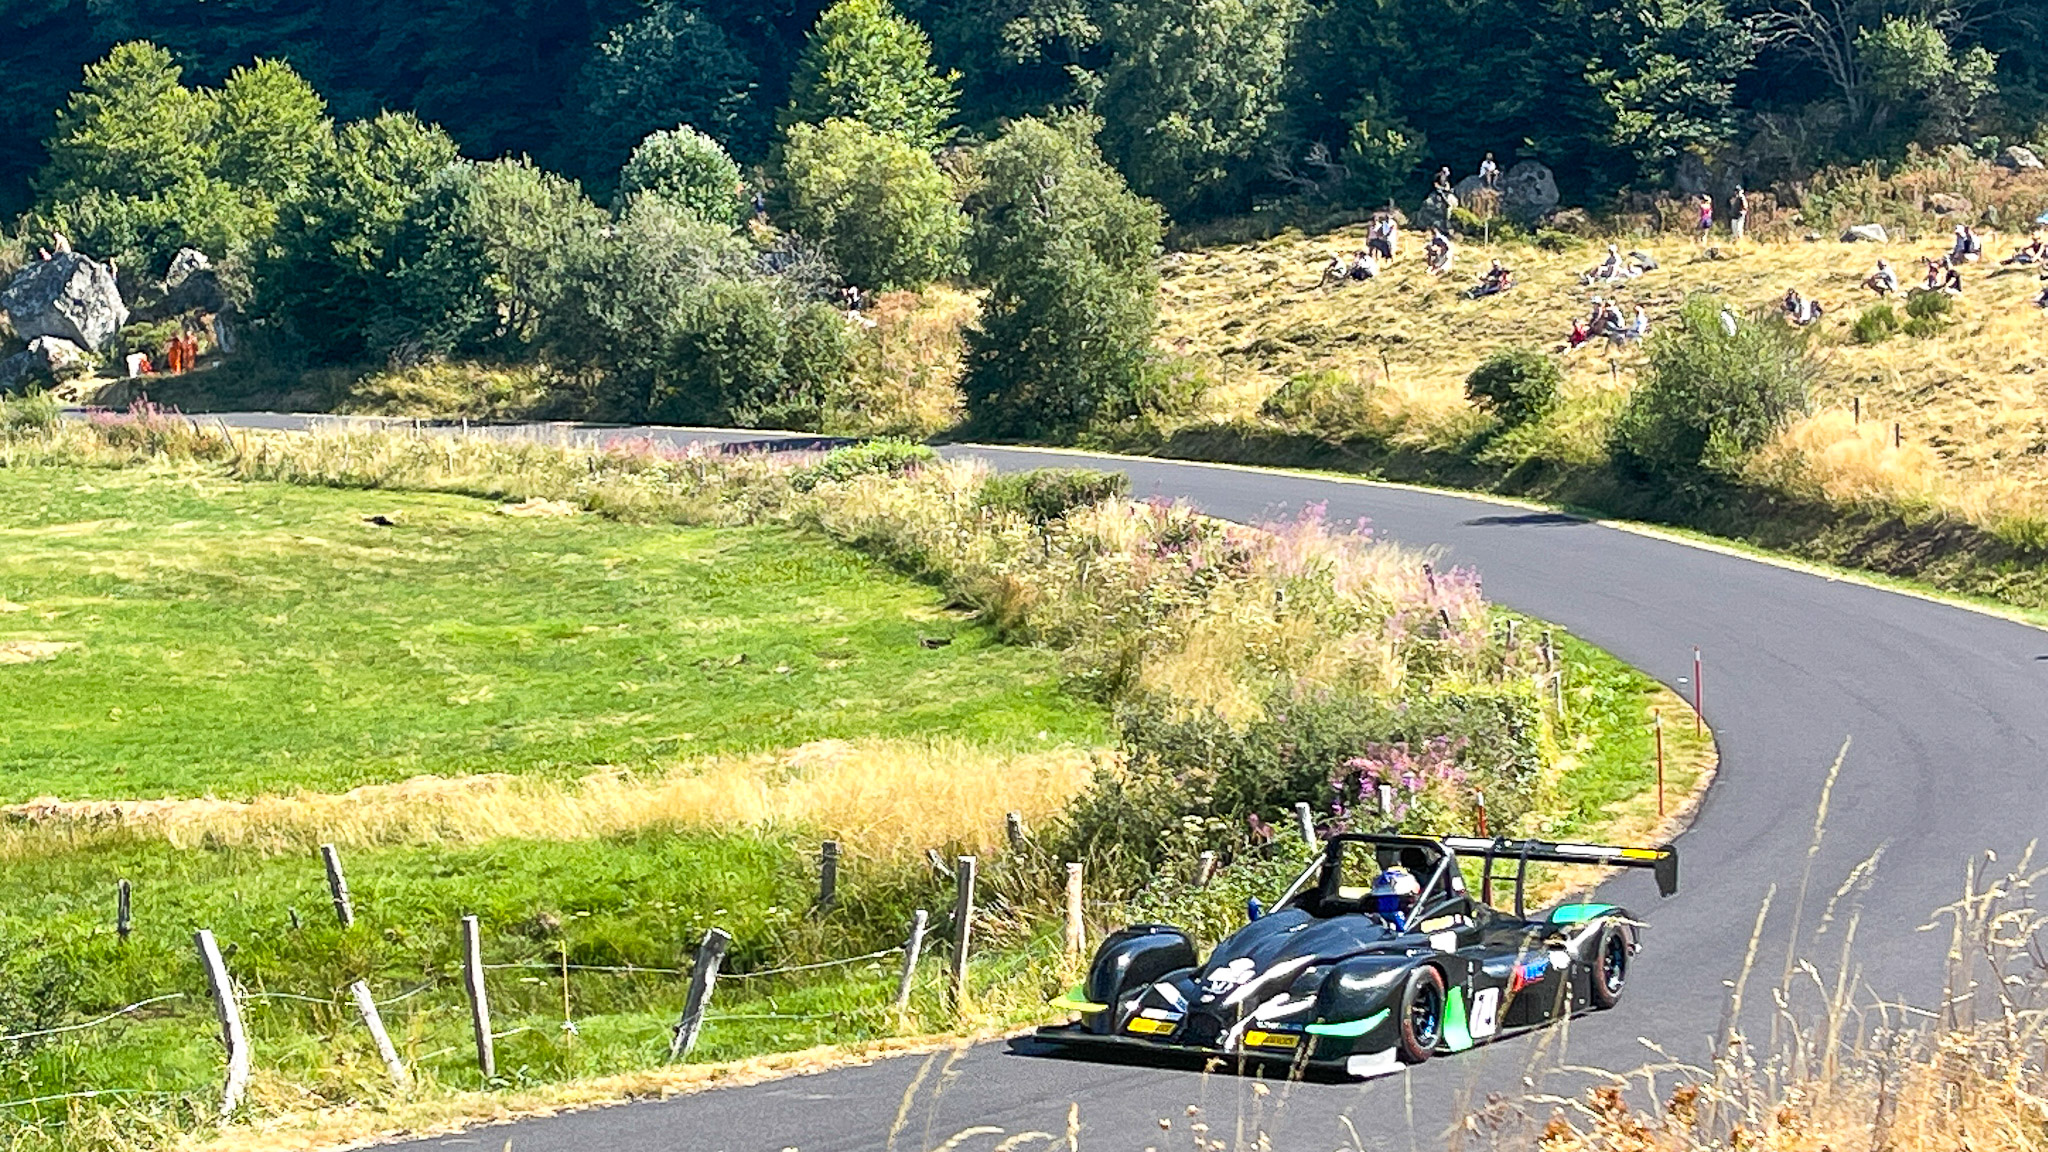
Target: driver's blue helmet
{"type": "Point", "coordinates": [1394, 893]}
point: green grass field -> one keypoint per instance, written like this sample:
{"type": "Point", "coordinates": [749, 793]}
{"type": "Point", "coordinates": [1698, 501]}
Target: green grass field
{"type": "Point", "coordinates": [228, 639]}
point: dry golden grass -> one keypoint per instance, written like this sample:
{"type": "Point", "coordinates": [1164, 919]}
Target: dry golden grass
{"type": "Point", "coordinates": [906, 376]}
{"type": "Point", "coordinates": [1972, 401]}
{"type": "Point", "coordinates": [886, 799]}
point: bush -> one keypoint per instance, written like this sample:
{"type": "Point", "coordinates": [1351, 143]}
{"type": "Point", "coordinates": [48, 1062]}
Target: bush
{"type": "Point", "coordinates": [1710, 398]}
{"type": "Point", "coordinates": [1875, 324]}
{"type": "Point", "coordinates": [1516, 384]}
{"type": "Point", "coordinates": [689, 170]}
{"type": "Point", "coordinates": [745, 355]}
{"type": "Point", "coordinates": [1929, 305]}
{"type": "Point", "coordinates": [880, 207]}
{"type": "Point", "coordinates": [1043, 495]}
{"type": "Point", "coordinates": [874, 458]}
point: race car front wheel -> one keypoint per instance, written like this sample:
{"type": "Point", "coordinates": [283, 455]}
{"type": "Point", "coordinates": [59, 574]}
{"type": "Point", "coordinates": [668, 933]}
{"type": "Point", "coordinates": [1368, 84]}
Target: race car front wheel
{"type": "Point", "coordinates": [1610, 965]}
{"type": "Point", "coordinates": [1422, 1015]}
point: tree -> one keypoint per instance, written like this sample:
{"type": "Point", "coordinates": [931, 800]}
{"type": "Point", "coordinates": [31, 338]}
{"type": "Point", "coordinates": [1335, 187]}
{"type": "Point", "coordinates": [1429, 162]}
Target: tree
{"type": "Point", "coordinates": [864, 62]}
{"type": "Point", "coordinates": [689, 170]}
{"type": "Point", "coordinates": [271, 128]}
{"type": "Point", "coordinates": [1192, 95]}
{"type": "Point", "coordinates": [1919, 84]}
{"type": "Point", "coordinates": [326, 277]}
{"type": "Point", "coordinates": [1515, 384]}
{"type": "Point", "coordinates": [881, 208]}
{"type": "Point", "coordinates": [1671, 86]}
{"type": "Point", "coordinates": [1067, 252]}
{"type": "Point", "coordinates": [477, 260]}
{"type": "Point", "coordinates": [672, 66]}
{"type": "Point", "coordinates": [134, 130]}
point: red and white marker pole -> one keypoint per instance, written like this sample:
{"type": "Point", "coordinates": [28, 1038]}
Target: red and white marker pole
{"type": "Point", "coordinates": [1479, 802]}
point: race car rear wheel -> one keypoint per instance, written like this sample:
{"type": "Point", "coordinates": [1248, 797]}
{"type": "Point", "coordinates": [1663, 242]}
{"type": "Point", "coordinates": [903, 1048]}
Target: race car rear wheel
{"type": "Point", "coordinates": [1422, 1015]}
{"type": "Point", "coordinates": [1610, 965]}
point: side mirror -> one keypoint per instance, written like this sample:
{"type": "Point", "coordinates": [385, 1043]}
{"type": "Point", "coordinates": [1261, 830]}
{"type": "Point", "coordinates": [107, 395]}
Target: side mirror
{"type": "Point", "coordinates": [1253, 909]}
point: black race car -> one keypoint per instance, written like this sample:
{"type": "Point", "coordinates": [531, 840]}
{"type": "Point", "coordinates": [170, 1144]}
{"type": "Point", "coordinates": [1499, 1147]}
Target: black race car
{"type": "Point", "coordinates": [1337, 978]}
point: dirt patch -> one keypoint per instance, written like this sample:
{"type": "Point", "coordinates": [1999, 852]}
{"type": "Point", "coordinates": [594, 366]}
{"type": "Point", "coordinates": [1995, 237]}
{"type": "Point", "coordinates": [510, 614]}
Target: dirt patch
{"type": "Point", "coordinates": [539, 507]}
{"type": "Point", "coordinates": [31, 651]}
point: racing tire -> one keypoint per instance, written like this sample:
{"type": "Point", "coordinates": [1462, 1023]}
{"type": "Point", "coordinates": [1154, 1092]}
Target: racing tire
{"type": "Point", "coordinates": [1610, 966]}
{"type": "Point", "coordinates": [1421, 1023]}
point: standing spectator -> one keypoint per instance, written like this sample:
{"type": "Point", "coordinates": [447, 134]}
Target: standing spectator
{"type": "Point", "coordinates": [1738, 214]}
{"type": "Point", "coordinates": [1489, 172]}
{"type": "Point", "coordinates": [1706, 216]}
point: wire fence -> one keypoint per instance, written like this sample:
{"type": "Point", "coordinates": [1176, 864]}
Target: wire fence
{"type": "Point", "coordinates": [703, 973]}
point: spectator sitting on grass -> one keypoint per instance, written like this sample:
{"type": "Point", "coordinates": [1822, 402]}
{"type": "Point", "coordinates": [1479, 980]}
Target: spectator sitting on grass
{"type": "Point", "coordinates": [2042, 302]}
{"type": "Point", "coordinates": [1579, 334]}
{"type": "Point", "coordinates": [1596, 324]}
{"type": "Point", "coordinates": [1622, 334]}
{"type": "Point", "coordinates": [1640, 262]}
{"type": "Point", "coordinates": [1363, 266]}
{"type": "Point", "coordinates": [1496, 280]}
{"type": "Point", "coordinates": [2032, 252]}
{"type": "Point", "coordinates": [1801, 310]}
{"type": "Point", "coordinates": [1438, 254]}
{"type": "Point", "coordinates": [1884, 281]}
{"type": "Point", "coordinates": [1967, 246]}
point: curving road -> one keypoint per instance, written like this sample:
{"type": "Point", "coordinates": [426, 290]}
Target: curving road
{"type": "Point", "coordinates": [1943, 708]}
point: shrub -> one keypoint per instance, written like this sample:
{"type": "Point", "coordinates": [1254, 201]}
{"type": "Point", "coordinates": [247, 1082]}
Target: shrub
{"type": "Point", "coordinates": [1875, 324]}
{"type": "Point", "coordinates": [1043, 495]}
{"type": "Point", "coordinates": [1711, 397]}
{"type": "Point", "coordinates": [888, 457]}
{"type": "Point", "coordinates": [1929, 305]}
{"type": "Point", "coordinates": [1515, 384]}
{"type": "Point", "coordinates": [689, 170]}
{"type": "Point", "coordinates": [881, 208]}
{"type": "Point", "coordinates": [745, 355]}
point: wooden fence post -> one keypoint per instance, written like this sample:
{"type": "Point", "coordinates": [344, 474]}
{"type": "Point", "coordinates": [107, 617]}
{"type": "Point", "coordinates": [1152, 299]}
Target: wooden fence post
{"type": "Point", "coordinates": [703, 978]}
{"type": "Point", "coordinates": [124, 913]}
{"type": "Point", "coordinates": [1013, 825]}
{"type": "Point", "coordinates": [374, 1021]}
{"type": "Point", "coordinates": [337, 886]}
{"type": "Point", "coordinates": [1306, 823]}
{"type": "Point", "coordinates": [911, 948]}
{"type": "Point", "coordinates": [230, 1011]}
{"type": "Point", "coordinates": [1205, 869]}
{"type": "Point", "coordinates": [479, 1004]}
{"type": "Point", "coordinates": [828, 875]}
{"type": "Point", "coordinates": [963, 926]}
{"type": "Point", "coordinates": [1077, 938]}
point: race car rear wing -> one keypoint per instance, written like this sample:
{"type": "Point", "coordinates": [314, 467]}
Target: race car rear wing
{"type": "Point", "coordinates": [1662, 861]}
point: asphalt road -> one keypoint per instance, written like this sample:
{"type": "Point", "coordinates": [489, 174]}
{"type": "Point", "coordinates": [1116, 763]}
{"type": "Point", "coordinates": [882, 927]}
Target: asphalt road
{"type": "Point", "coordinates": [1947, 738]}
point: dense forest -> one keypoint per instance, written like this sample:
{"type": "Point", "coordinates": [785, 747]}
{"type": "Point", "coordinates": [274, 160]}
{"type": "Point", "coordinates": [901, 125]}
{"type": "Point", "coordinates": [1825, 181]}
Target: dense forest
{"type": "Point", "coordinates": [1209, 106]}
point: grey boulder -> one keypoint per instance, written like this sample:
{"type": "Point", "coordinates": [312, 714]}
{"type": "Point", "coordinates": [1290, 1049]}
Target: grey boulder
{"type": "Point", "coordinates": [68, 296]}
{"type": "Point", "coordinates": [2019, 159]}
{"type": "Point", "coordinates": [1867, 234]}
{"type": "Point", "coordinates": [48, 360]}
{"type": "Point", "coordinates": [1527, 192]}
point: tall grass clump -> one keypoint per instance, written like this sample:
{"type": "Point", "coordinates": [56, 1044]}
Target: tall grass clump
{"type": "Point", "coordinates": [1718, 387]}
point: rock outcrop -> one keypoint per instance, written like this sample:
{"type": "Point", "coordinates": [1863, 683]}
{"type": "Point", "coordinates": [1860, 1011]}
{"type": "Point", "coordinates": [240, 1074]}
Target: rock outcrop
{"type": "Point", "coordinates": [1867, 234]}
{"type": "Point", "coordinates": [68, 296]}
{"type": "Point", "coordinates": [48, 360]}
{"type": "Point", "coordinates": [1527, 192]}
{"type": "Point", "coordinates": [192, 285]}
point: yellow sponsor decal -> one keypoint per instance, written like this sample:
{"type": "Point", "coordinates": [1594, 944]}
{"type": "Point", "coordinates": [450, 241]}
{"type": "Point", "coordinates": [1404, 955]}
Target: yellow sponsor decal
{"type": "Point", "coordinates": [1640, 853]}
{"type": "Point", "coordinates": [1257, 1039]}
{"type": "Point", "coordinates": [1140, 1024]}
